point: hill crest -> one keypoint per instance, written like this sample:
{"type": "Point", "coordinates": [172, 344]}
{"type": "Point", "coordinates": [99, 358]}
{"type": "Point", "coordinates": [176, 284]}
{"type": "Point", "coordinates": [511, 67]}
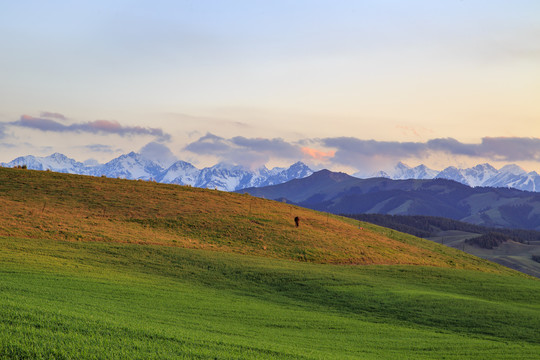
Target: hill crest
{"type": "Point", "coordinates": [66, 207]}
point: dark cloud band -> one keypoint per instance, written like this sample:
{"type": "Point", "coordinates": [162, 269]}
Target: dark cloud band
{"type": "Point", "coordinates": [94, 127]}
{"type": "Point", "coordinates": [245, 151]}
{"type": "Point", "coordinates": [350, 151]}
{"type": "Point", "coordinates": [494, 148]}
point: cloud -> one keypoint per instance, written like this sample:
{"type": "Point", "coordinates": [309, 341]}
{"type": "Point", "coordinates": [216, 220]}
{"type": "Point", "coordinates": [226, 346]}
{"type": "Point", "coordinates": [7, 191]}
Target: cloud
{"type": "Point", "coordinates": [209, 144]}
{"type": "Point", "coordinates": [360, 153]}
{"type": "Point", "coordinates": [159, 153]}
{"type": "Point", "coordinates": [2, 130]}
{"type": "Point", "coordinates": [317, 154]}
{"type": "Point", "coordinates": [349, 150]}
{"type": "Point", "coordinates": [452, 146]}
{"type": "Point", "coordinates": [250, 152]}
{"type": "Point", "coordinates": [510, 148]}
{"type": "Point", "coordinates": [495, 148]}
{"type": "Point", "coordinates": [100, 148]}
{"type": "Point", "coordinates": [276, 147]}
{"type": "Point", "coordinates": [51, 115]}
{"type": "Point", "coordinates": [94, 127]}
{"type": "Point", "coordinates": [40, 124]}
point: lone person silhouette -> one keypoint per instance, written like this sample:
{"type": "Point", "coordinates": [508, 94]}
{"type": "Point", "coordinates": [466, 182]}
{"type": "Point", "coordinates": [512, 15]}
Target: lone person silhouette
{"type": "Point", "coordinates": [297, 221]}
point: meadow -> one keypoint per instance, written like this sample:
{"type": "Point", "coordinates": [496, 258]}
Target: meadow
{"type": "Point", "coordinates": [86, 272]}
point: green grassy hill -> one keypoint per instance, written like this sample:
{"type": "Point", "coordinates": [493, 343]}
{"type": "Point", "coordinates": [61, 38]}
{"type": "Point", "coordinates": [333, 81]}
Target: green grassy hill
{"type": "Point", "coordinates": [111, 269]}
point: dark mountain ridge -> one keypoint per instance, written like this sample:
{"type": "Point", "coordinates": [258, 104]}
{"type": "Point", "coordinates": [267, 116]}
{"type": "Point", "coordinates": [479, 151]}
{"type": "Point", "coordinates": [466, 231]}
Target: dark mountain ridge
{"type": "Point", "coordinates": [340, 193]}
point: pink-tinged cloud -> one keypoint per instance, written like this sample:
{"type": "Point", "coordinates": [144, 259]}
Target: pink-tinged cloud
{"type": "Point", "coordinates": [39, 123]}
{"type": "Point", "coordinates": [94, 127]}
{"type": "Point", "coordinates": [317, 154]}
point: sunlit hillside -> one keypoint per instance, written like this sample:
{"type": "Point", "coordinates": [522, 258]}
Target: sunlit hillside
{"type": "Point", "coordinates": [49, 205]}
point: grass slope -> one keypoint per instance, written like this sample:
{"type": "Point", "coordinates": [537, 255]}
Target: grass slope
{"type": "Point", "coordinates": [46, 205]}
{"type": "Point", "coordinates": [84, 273]}
{"type": "Point", "coordinates": [71, 300]}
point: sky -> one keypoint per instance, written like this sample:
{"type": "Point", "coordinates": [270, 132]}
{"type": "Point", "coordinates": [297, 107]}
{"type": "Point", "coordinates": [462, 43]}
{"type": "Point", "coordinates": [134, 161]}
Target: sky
{"type": "Point", "coordinates": [352, 86]}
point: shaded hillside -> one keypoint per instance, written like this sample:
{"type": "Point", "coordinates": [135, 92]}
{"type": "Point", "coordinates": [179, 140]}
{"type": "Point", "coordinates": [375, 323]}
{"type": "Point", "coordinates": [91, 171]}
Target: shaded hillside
{"type": "Point", "coordinates": [488, 241]}
{"type": "Point", "coordinates": [50, 205]}
{"type": "Point", "coordinates": [342, 194]}
{"type": "Point", "coordinates": [429, 226]}
{"type": "Point", "coordinates": [514, 248]}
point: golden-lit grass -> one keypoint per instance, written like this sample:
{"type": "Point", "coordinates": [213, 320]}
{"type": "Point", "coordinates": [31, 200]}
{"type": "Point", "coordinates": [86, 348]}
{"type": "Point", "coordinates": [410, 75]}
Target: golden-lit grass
{"type": "Point", "coordinates": [48, 205]}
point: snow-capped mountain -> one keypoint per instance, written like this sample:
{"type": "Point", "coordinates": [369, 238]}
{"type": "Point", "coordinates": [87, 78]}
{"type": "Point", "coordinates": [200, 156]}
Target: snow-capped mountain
{"type": "Point", "coordinates": [511, 176]}
{"type": "Point", "coordinates": [136, 166]}
{"type": "Point", "coordinates": [452, 173]}
{"type": "Point", "coordinates": [403, 171]}
{"type": "Point", "coordinates": [275, 176]}
{"type": "Point", "coordinates": [507, 176]}
{"type": "Point", "coordinates": [181, 173]}
{"type": "Point", "coordinates": [381, 173]}
{"type": "Point", "coordinates": [475, 176]}
{"type": "Point", "coordinates": [231, 177]}
{"type": "Point", "coordinates": [223, 177]}
{"type": "Point", "coordinates": [130, 166]}
{"type": "Point", "coordinates": [55, 162]}
{"type": "Point", "coordinates": [528, 182]}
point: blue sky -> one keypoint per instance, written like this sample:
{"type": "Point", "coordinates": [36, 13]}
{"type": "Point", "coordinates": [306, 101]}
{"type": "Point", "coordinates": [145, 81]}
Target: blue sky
{"type": "Point", "coordinates": [348, 85]}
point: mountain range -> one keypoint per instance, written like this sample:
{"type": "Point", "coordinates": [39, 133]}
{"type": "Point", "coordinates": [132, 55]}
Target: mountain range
{"type": "Point", "coordinates": [135, 166]}
{"type": "Point", "coordinates": [509, 176]}
{"type": "Point", "coordinates": [232, 177]}
{"type": "Point", "coordinates": [340, 193]}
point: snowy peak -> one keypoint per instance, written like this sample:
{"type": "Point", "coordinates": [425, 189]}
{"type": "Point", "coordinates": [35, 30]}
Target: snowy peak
{"type": "Point", "coordinates": [478, 175]}
{"type": "Point", "coordinates": [402, 166]}
{"type": "Point", "coordinates": [403, 171]}
{"type": "Point", "coordinates": [299, 169]}
{"type": "Point", "coordinates": [55, 162]}
{"type": "Point", "coordinates": [228, 177]}
{"type": "Point", "coordinates": [180, 173]}
{"type": "Point", "coordinates": [512, 169]}
{"type": "Point", "coordinates": [528, 182]}
{"type": "Point", "coordinates": [452, 173]}
{"type": "Point", "coordinates": [378, 174]}
{"type": "Point", "coordinates": [133, 166]}
{"type": "Point", "coordinates": [510, 175]}
{"type": "Point", "coordinates": [223, 177]}
{"type": "Point", "coordinates": [423, 172]}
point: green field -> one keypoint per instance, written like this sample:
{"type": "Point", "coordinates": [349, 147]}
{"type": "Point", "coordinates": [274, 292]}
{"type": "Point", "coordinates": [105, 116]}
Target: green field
{"type": "Point", "coordinates": [67, 300]}
{"type": "Point", "coordinates": [88, 292]}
